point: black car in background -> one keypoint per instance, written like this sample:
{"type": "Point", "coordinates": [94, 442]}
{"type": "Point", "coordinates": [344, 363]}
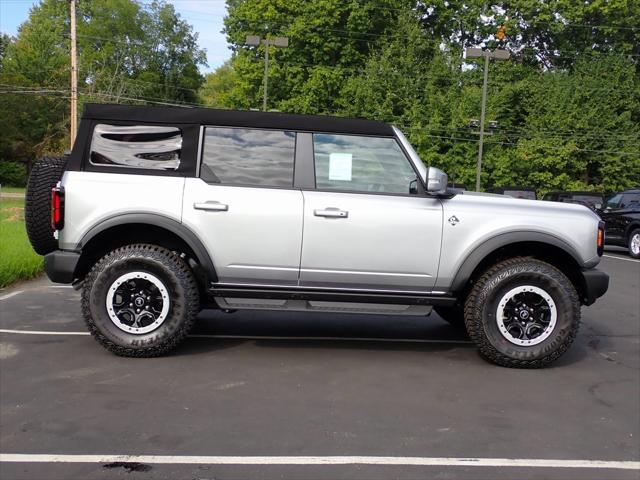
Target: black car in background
{"type": "Point", "coordinates": [528, 193]}
{"type": "Point", "coordinates": [621, 214]}
{"type": "Point", "coordinates": [592, 200]}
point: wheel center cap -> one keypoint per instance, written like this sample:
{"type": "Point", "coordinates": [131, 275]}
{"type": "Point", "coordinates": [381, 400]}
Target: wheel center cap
{"type": "Point", "coordinates": [524, 314]}
{"type": "Point", "coordinates": [139, 301]}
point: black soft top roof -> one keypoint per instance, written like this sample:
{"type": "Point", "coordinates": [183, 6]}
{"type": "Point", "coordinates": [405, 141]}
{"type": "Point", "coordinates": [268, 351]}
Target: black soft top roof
{"type": "Point", "coordinates": [234, 118]}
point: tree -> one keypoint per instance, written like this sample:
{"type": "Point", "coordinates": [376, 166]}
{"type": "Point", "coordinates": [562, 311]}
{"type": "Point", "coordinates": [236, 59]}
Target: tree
{"type": "Point", "coordinates": [128, 52]}
{"type": "Point", "coordinates": [218, 86]}
{"type": "Point", "coordinates": [329, 41]}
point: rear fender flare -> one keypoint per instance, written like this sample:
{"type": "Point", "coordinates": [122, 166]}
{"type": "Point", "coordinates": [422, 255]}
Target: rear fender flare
{"type": "Point", "coordinates": [177, 228]}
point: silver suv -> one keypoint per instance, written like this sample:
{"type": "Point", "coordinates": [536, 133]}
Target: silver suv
{"type": "Point", "coordinates": [160, 212]}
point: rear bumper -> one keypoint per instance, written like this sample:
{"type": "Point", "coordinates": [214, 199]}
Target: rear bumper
{"type": "Point", "coordinates": [60, 265]}
{"type": "Point", "coordinates": [595, 284]}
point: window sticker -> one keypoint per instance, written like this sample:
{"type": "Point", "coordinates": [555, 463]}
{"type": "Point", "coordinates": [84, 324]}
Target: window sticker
{"type": "Point", "coordinates": [340, 166]}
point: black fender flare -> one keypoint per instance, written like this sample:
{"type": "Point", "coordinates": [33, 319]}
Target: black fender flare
{"type": "Point", "coordinates": [630, 228]}
{"type": "Point", "coordinates": [179, 229]}
{"type": "Point", "coordinates": [492, 244]}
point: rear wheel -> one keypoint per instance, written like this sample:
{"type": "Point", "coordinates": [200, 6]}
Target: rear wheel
{"type": "Point", "coordinates": [43, 177]}
{"type": "Point", "coordinates": [634, 243]}
{"type": "Point", "coordinates": [140, 300]}
{"type": "Point", "coordinates": [522, 313]}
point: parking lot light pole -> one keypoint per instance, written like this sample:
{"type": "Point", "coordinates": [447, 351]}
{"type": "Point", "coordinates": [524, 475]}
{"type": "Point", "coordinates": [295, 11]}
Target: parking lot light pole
{"type": "Point", "coordinates": [497, 54]}
{"type": "Point", "coordinates": [256, 40]}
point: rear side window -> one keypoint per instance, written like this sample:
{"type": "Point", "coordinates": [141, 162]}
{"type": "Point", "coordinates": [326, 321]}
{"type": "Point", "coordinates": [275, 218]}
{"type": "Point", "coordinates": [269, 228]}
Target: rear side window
{"type": "Point", "coordinates": [249, 157]}
{"type": "Point", "coordinates": [136, 146]}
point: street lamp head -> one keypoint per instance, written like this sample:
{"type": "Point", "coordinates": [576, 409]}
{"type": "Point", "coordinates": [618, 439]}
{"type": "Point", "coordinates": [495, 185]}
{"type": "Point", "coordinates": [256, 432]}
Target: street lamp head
{"type": "Point", "coordinates": [497, 54]}
{"type": "Point", "coordinates": [282, 42]}
{"type": "Point", "coordinates": [500, 54]}
{"type": "Point", "coordinates": [473, 53]}
{"type": "Point", "coordinates": [253, 40]}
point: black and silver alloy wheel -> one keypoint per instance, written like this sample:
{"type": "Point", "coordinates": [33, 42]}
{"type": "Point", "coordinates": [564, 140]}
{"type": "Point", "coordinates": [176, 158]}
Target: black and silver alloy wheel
{"type": "Point", "coordinates": [137, 302]}
{"type": "Point", "coordinates": [526, 315]}
{"type": "Point", "coordinates": [522, 312]}
{"type": "Point", "coordinates": [140, 300]}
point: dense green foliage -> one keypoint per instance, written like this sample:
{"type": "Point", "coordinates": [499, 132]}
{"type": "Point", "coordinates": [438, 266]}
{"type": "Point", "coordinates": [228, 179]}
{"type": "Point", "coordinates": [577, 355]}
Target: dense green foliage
{"type": "Point", "coordinates": [12, 174]}
{"type": "Point", "coordinates": [127, 51]}
{"type": "Point", "coordinates": [567, 103]}
{"type": "Point", "coordinates": [17, 258]}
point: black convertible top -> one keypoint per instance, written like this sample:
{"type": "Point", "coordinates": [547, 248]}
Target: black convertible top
{"type": "Point", "coordinates": [234, 118]}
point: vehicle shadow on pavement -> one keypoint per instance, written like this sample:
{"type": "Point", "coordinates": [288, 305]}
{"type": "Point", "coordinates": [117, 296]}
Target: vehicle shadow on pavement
{"type": "Point", "coordinates": [310, 330]}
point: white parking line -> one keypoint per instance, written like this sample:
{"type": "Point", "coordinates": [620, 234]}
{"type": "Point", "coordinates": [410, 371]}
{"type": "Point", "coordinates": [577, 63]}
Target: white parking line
{"type": "Point", "coordinates": [12, 294]}
{"type": "Point", "coordinates": [621, 258]}
{"type": "Point", "coordinates": [60, 286]}
{"type": "Point", "coordinates": [323, 460]}
{"type": "Point", "coordinates": [261, 337]}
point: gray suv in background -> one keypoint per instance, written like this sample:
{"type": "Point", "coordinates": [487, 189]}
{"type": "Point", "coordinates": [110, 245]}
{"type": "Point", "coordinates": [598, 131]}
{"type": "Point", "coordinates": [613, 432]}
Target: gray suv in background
{"type": "Point", "coordinates": [160, 212]}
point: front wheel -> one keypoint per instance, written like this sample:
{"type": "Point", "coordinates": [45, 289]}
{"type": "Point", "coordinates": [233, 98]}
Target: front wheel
{"type": "Point", "coordinates": [522, 313]}
{"type": "Point", "coordinates": [634, 243]}
{"type": "Point", "coordinates": [140, 300]}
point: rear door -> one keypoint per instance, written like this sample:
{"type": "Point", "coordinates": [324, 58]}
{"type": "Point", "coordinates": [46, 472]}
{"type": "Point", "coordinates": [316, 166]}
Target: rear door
{"type": "Point", "coordinates": [243, 205]}
{"type": "Point", "coordinates": [365, 225]}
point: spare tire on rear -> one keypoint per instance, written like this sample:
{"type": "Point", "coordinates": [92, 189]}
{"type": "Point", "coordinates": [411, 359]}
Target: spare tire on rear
{"type": "Point", "coordinates": [37, 215]}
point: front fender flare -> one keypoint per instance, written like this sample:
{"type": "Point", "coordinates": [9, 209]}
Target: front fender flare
{"type": "Point", "coordinates": [492, 244]}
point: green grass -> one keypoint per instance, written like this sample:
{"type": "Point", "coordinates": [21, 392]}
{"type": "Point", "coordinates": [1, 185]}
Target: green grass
{"type": "Point", "coordinates": [4, 189]}
{"type": "Point", "coordinates": [17, 259]}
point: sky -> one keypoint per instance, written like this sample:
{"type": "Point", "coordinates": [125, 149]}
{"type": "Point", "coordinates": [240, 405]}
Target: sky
{"type": "Point", "coordinates": [204, 15]}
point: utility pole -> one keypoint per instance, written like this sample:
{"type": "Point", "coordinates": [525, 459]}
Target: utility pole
{"type": "Point", "coordinates": [256, 40]}
{"type": "Point", "coordinates": [266, 75]}
{"type": "Point", "coordinates": [497, 54]}
{"type": "Point", "coordinates": [74, 77]}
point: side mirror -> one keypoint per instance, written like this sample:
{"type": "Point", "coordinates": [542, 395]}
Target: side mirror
{"type": "Point", "coordinates": [436, 181]}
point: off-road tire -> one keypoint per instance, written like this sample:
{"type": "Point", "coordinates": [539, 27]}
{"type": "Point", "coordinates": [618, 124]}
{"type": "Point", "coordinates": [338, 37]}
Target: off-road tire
{"type": "Point", "coordinates": [174, 273]}
{"type": "Point", "coordinates": [632, 236]}
{"type": "Point", "coordinates": [43, 177]}
{"type": "Point", "coordinates": [453, 315]}
{"type": "Point", "coordinates": [481, 306]}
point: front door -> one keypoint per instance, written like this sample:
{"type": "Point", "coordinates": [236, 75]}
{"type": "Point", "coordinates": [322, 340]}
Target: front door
{"type": "Point", "coordinates": [365, 225]}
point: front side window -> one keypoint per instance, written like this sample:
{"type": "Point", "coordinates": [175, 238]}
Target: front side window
{"type": "Point", "coordinates": [361, 164]}
{"type": "Point", "coordinates": [136, 146]}
{"type": "Point", "coordinates": [629, 200]}
{"type": "Point", "coordinates": [249, 157]}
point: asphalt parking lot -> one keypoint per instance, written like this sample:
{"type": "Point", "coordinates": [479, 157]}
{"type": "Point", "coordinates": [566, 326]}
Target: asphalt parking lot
{"type": "Point", "coordinates": [297, 395]}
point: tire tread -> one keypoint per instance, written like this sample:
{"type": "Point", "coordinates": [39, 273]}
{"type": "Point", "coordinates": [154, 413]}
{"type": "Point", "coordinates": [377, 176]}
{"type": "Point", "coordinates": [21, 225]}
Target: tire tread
{"type": "Point", "coordinates": [185, 277]}
{"type": "Point", "coordinates": [476, 299]}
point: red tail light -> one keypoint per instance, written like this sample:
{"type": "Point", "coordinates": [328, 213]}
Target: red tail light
{"type": "Point", "coordinates": [57, 207]}
{"type": "Point", "coordinates": [600, 245]}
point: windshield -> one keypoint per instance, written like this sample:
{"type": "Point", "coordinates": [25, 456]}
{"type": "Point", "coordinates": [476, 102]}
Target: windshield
{"type": "Point", "coordinates": [613, 202]}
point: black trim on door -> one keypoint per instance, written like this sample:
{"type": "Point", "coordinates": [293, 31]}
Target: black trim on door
{"type": "Point", "coordinates": [304, 171]}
